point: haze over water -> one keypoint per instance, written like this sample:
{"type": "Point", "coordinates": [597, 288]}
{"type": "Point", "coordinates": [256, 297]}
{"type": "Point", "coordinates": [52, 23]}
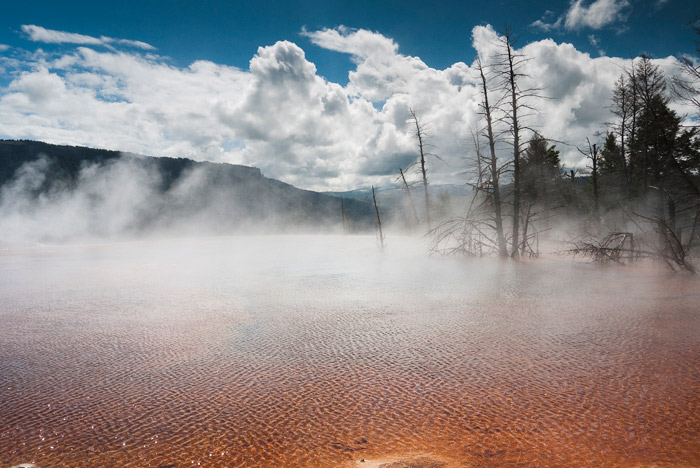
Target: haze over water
{"type": "Point", "coordinates": [321, 351]}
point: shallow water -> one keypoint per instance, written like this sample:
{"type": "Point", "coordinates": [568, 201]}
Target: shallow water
{"type": "Point", "coordinates": [305, 351]}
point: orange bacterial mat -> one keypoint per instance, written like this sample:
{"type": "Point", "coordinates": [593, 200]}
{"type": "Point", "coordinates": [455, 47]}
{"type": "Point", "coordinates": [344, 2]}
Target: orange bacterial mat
{"type": "Point", "coordinates": [322, 352]}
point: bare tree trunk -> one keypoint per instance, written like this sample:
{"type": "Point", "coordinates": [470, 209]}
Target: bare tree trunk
{"type": "Point", "coordinates": [596, 201]}
{"type": "Point", "coordinates": [526, 224]}
{"type": "Point", "coordinates": [379, 221]}
{"type": "Point", "coordinates": [621, 108]}
{"type": "Point", "coordinates": [408, 192]}
{"type": "Point", "coordinates": [424, 172]}
{"type": "Point", "coordinates": [672, 219]}
{"type": "Point", "coordinates": [515, 129]}
{"type": "Point", "coordinates": [479, 157]}
{"type": "Point", "coordinates": [593, 155]}
{"type": "Point", "coordinates": [342, 213]}
{"type": "Point", "coordinates": [497, 207]}
{"type": "Point", "coordinates": [623, 160]}
{"type": "Point", "coordinates": [633, 131]}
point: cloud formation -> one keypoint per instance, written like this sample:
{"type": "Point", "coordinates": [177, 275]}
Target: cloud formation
{"type": "Point", "coordinates": [281, 116]}
{"type": "Point", "coordinates": [595, 42]}
{"type": "Point", "coordinates": [596, 15]}
{"type": "Point", "coordinates": [50, 36]}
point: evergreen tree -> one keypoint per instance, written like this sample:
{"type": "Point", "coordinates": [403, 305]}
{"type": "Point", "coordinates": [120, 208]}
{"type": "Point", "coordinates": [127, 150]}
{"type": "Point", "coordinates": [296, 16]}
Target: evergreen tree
{"type": "Point", "coordinates": [612, 160]}
{"type": "Point", "coordinates": [540, 169]}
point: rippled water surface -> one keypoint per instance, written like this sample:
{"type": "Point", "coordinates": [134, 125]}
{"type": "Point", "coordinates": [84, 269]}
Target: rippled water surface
{"type": "Point", "coordinates": [321, 352]}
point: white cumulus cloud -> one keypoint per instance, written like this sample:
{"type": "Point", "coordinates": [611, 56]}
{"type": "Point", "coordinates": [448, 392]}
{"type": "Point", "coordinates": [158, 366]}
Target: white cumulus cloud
{"type": "Point", "coordinates": [50, 36]}
{"type": "Point", "coordinates": [598, 14]}
{"type": "Point", "coordinates": [595, 15]}
{"type": "Point", "coordinates": [282, 117]}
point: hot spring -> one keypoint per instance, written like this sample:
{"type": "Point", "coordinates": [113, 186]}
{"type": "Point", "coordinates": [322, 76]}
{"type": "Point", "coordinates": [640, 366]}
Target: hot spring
{"type": "Point", "coordinates": [322, 351]}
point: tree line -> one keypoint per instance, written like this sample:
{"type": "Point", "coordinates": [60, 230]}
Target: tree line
{"type": "Point", "coordinates": [638, 196]}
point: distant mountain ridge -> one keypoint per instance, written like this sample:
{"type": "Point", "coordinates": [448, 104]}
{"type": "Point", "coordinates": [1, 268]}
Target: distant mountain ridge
{"type": "Point", "coordinates": [69, 159]}
{"type": "Point", "coordinates": [160, 192]}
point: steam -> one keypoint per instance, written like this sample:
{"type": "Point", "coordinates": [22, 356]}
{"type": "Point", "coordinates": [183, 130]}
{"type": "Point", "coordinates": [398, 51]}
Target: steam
{"type": "Point", "coordinates": [106, 200]}
{"type": "Point", "coordinates": [130, 197]}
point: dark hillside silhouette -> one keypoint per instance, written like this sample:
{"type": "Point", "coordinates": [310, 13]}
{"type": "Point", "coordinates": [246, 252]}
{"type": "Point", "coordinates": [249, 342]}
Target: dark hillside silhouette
{"type": "Point", "coordinates": [225, 197]}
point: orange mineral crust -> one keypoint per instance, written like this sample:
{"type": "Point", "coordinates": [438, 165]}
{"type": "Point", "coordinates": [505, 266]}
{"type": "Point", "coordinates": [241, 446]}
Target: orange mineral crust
{"type": "Point", "coordinates": [321, 352]}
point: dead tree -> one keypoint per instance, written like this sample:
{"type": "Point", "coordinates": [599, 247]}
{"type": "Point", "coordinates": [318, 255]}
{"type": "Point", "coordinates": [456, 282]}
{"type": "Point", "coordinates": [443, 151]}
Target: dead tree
{"type": "Point", "coordinates": [622, 108]}
{"type": "Point", "coordinates": [676, 253]}
{"type": "Point", "coordinates": [408, 195]}
{"type": "Point", "coordinates": [509, 69]}
{"type": "Point", "coordinates": [656, 237]}
{"type": "Point", "coordinates": [467, 236]}
{"type": "Point", "coordinates": [634, 112]}
{"type": "Point", "coordinates": [525, 246]}
{"type": "Point", "coordinates": [515, 129]}
{"type": "Point", "coordinates": [473, 234]}
{"type": "Point", "coordinates": [620, 248]}
{"type": "Point", "coordinates": [616, 247]}
{"type": "Point", "coordinates": [344, 215]}
{"type": "Point", "coordinates": [492, 163]}
{"type": "Point", "coordinates": [594, 156]}
{"type": "Point", "coordinates": [379, 220]}
{"type": "Point", "coordinates": [420, 134]}
{"type": "Point", "coordinates": [670, 247]}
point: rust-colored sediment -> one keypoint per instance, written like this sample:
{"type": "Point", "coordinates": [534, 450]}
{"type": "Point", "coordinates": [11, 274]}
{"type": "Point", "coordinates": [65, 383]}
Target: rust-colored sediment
{"type": "Point", "coordinates": [105, 363]}
{"type": "Point", "coordinates": [407, 461]}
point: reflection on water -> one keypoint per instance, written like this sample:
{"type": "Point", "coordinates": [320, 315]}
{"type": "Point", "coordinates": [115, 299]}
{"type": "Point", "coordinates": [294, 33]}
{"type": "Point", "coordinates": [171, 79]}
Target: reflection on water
{"type": "Point", "coordinates": [321, 352]}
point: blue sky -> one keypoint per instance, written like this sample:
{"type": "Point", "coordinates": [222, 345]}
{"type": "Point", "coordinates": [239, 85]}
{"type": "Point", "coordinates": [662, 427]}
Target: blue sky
{"type": "Point", "coordinates": [302, 88]}
{"type": "Point", "coordinates": [229, 32]}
